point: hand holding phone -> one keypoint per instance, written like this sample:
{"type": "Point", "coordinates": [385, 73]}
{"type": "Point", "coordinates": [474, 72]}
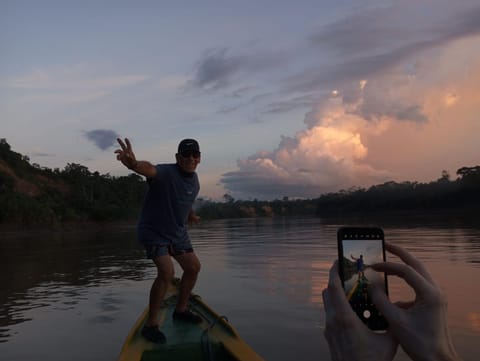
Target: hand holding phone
{"type": "Point", "coordinates": [419, 326]}
{"type": "Point", "coordinates": [358, 248]}
{"type": "Point", "coordinates": [347, 336]}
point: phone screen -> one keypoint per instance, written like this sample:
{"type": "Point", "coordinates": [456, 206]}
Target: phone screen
{"type": "Point", "coordinates": [358, 249]}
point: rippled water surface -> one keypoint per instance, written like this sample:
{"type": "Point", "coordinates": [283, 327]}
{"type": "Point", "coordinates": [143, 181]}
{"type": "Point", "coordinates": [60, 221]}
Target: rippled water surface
{"type": "Point", "coordinates": [74, 295]}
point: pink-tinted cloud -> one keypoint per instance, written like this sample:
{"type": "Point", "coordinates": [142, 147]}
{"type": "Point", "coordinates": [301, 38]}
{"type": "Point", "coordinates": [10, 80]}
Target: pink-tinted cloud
{"type": "Point", "coordinates": [407, 123]}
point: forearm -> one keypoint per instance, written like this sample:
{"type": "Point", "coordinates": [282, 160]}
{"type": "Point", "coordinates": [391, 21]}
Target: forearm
{"type": "Point", "coordinates": [144, 168]}
{"type": "Point", "coordinates": [193, 218]}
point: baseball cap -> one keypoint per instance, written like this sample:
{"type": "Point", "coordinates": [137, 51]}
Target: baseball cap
{"type": "Point", "coordinates": [188, 145]}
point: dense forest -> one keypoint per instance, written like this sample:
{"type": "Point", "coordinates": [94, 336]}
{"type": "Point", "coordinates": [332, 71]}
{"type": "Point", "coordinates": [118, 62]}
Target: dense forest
{"type": "Point", "coordinates": [35, 195]}
{"type": "Point", "coordinates": [30, 194]}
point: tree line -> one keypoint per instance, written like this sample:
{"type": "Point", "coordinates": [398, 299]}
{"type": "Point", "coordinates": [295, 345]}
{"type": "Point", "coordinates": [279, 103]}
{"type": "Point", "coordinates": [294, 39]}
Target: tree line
{"type": "Point", "coordinates": [30, 194]}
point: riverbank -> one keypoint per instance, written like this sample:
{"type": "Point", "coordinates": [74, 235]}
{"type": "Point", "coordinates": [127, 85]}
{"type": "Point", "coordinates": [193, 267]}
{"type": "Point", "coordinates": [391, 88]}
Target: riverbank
{"type": "Point", "coordinates": [450, 217]}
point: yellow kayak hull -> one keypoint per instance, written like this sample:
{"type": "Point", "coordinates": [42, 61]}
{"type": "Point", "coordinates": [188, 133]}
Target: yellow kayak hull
{"type": "Point", "coordinates": [212, 339]}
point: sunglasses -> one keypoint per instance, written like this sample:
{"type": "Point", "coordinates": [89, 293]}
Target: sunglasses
{"type": "Point", "coordinates": [190, 153]}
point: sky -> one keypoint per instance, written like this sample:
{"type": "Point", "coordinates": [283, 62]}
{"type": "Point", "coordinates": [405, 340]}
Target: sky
{"type": "Point", "coordinates": [286, 98]}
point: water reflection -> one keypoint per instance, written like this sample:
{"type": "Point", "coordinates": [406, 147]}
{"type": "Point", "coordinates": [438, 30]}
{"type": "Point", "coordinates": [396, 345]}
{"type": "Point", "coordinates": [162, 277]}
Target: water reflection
{"type": "Point", "coordinates": [266, 275]}
{"type": "Point", "coordinates": [42, 269]}
{"type": "Point", "coordinates": [289, 256]}
{"type": "Point", "coordinates": [474, 320]}
{"type": "Point", "coordinates": [285, 263]}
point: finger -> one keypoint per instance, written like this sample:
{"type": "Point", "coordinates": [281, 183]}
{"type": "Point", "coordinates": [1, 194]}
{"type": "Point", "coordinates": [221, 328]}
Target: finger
{"type": "Point", "coordinates": [409, 259]}
{"type": "Point", "coordinates": [332, 344]}
{"type": "Point", "coordinates": [327, 306]}
{"type": "Point", "coordinates": [336, 290]}
{"type": "Point", "coordinates": [410, 275]}
{"type": "Point", "coordinates": [336, 319]}
{"type": "Point", "coordinates": [381, 301]}
{"type": "Point", "coordinates": [339, 315]}
{"type": "Point", "coordinates": [129, 145]}
{"type": "Point", "coordinates": [122, 144]}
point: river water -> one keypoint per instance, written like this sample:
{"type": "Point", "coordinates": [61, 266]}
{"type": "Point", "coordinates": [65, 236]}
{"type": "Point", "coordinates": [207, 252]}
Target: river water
{"type": "Point", "coordinates": [75, 294]}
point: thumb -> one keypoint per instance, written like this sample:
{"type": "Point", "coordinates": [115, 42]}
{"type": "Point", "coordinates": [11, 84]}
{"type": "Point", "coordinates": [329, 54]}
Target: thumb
{"type": "Point", "coordinates": [381, 301]}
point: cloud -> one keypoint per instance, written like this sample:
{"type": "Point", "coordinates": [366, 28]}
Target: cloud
{"type": "Point", "coordinates": [291, 103]}
{"type": "Point", "coordinates": [326, 157]}
{"type": "Point", "coordinates": [217, 69]}
{"type": "Point", "coordinates": [404, 124]}
{"type": "Point", "coordinates": [359, 46]}
{"type": "Point", "coordinates": [377, 39]}
{"type": "Point", "coordinates": [102, 138]}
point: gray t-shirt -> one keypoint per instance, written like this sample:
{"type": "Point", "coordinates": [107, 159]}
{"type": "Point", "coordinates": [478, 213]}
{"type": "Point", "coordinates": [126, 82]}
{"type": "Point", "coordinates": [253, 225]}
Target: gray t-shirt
{"type": "Point", "coordinates": [169, 199]}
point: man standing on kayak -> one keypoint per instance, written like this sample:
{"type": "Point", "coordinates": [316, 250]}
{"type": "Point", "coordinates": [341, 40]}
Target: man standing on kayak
{"type": "Point", "coordinates": [162, 227]}
{"type": "Point", "coordinates": [360, 265]}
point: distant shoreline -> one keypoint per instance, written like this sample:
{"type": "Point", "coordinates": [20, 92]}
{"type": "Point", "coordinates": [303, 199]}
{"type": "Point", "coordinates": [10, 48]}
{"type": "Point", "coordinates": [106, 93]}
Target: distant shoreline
{"type": "Point", "coordinates": [385, 218]}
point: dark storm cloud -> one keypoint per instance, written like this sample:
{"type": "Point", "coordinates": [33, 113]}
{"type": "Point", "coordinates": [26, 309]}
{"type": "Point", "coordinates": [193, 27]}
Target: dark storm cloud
{"type": "Point", "coordinates": [102, 138]}
{"type": "Point", "coordinates": [368, 43]}
{"type": "Point", "coordinates": [218, 68]}
{"type": "Point", "coordinates": [394, 110]}
{"type": "Point", "coordinates": [351, 70]}
{"type": "Point", "coordinates": [355, 47]}
{"type": "Point", "coordinates": [287, 105]}
{"type": "Point", "coordinates": [384, 29]}
{"type": "Point", "coordinates": [369, 32]}
{"type": "Point", "coordinates": [251, 184]}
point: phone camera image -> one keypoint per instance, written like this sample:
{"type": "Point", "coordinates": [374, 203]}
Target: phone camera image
{"type": "Point", "coordinates": [358, 250]}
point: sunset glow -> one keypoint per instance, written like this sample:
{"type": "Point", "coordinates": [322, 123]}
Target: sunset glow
{"type": "Point", "coordinates": [291, 105]}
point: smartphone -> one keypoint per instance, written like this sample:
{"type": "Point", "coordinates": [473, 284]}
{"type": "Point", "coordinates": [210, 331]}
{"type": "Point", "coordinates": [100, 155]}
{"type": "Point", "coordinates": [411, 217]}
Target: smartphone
{"type": "Point", "coordinates": [358, 248]}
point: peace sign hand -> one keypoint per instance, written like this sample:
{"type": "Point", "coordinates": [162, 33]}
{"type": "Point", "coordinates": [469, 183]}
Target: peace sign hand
{"type": "Point", "coordinates": [126, 155]}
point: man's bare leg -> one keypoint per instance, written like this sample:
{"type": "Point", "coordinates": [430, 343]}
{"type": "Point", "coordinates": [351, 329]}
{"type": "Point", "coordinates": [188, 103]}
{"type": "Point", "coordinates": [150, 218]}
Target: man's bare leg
{"type": "Point", "coordinates": [191, 267]}
{"type": "Point", "coordinates": [165, 273]}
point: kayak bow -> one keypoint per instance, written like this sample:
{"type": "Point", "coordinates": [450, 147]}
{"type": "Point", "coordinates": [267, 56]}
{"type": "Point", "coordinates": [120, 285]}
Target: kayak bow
{"type": "Point", "coordinates": [212, 339]}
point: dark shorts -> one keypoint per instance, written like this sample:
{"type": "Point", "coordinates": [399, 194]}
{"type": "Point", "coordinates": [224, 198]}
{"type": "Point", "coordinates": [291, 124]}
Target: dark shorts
{"type": "Point", "coordinates": [156, 246]}
{"type": "Point", "coordinates": [157, 250]}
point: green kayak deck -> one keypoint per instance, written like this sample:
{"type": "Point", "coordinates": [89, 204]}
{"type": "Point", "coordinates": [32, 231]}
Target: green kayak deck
{"type": "Point", "coordinates": [213, 339]}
